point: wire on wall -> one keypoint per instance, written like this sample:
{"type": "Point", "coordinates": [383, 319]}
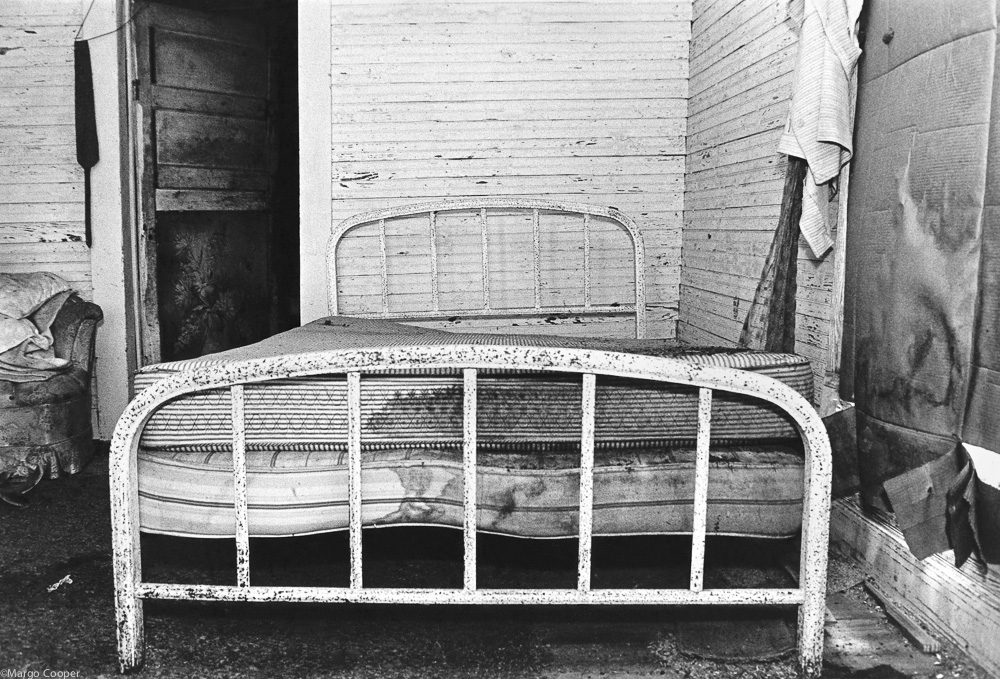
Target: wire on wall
{"type": "Point", "coordinates": [131, 18]}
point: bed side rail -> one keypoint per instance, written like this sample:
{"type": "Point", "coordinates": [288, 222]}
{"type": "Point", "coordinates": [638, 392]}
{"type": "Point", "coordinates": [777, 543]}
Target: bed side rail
{"type": "Point", "coordinates": [809, 595]}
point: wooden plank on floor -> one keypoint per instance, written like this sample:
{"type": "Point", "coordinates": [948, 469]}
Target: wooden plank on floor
{"type": "Point", "coordinates": [958, 604]}
{"type": "Point", "coordinates": [917, 635]}
{"type": "Point", "coordinates": [865, 642]}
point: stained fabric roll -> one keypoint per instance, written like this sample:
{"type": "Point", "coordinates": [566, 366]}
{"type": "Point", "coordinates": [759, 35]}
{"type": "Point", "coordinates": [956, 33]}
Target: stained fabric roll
{"type": "Point", "coordinates": [922, 308]}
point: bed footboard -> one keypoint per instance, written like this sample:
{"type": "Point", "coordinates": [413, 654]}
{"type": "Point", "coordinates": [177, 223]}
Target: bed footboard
{"type": "Point", "coordinates": [809, 596]}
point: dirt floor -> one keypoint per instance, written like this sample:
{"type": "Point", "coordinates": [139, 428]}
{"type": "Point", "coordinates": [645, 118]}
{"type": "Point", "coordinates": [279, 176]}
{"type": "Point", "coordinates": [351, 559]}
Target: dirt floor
{"type": "Point", "coordinates": [56, 607]}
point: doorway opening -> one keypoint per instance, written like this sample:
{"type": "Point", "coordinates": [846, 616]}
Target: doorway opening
{"type": "Point", "coordinates": [217, 142]}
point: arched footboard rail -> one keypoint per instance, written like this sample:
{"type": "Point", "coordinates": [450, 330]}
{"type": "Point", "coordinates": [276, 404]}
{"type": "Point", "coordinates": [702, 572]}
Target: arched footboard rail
{"type": "Point", "coordinates": [809, 596]}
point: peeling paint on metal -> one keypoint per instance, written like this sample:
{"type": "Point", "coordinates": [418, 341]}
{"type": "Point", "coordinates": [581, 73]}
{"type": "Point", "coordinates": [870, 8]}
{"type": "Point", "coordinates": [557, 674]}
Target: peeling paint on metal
{"type": "Point", "coordinates": [535, 206]}
{"type": "Point", "coordinates": [810, 596]}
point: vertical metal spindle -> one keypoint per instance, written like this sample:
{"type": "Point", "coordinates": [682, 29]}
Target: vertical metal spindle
{"type": "Point", "coordinates": [469, 467]}
{"type": "Point", "coordinates": [701, 489]}
{"type": "Point", "coordinates": [537, 258]}
{"type": "Point", "coordinates": [586, 260]}
{"type": "Point", "coordinates": [385, 266]}
{"type": "Point", "coordinates": [486, 258]}
{"type": "Point", "coordinates": [238, 410]}
{"type": "Point", "coordinates": [640, 287]}
{"type": "Point", "coordinates": [354, 473]}
{"type": "Point", "coordinates": [586, 527]}
{"type": "Point", "coordinates": [435, 298]}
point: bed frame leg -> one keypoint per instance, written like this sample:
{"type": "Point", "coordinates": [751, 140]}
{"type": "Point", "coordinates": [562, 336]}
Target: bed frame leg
{"type": "Point", "coordinates": [812, 611]}
{"type": "Point", "coordinates": [128, 605]}
{"type": "Point", "coordinates": [126, 554]}
{"type": "Point", "coordinates": [811, 619]}
{"type": "Point", "coordinates": [131, 645]}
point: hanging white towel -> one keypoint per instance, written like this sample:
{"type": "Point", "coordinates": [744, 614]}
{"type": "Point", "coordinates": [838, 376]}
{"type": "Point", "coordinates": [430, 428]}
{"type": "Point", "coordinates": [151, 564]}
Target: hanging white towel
{"type": "Point", "coordinates": [819, 127]}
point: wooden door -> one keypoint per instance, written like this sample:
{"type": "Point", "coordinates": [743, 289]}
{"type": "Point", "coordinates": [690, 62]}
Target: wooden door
{"type": "Point", "coordinates": [205, 182]}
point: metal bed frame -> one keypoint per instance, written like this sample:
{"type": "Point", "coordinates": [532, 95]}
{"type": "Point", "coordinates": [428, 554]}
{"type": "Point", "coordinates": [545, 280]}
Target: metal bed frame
{"type": "Point", "coordinates": [534, 207]}
{"type": "Point", "coordinates": [809, 596]}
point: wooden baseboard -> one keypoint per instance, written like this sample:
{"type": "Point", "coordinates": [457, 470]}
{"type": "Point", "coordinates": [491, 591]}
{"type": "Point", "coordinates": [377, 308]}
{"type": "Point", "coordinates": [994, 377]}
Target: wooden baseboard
{"type": "Point", "coordinates": [961, 605]}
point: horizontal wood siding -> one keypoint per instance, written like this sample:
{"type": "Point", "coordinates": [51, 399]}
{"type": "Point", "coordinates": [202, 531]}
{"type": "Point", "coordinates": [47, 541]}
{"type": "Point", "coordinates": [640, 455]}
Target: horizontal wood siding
{"type": "Point", "coordinates": [742, 61]}
{"type": "Point", "coordinates": [580, 101]}
{"type": "Point", "coordinates": [41, 184]}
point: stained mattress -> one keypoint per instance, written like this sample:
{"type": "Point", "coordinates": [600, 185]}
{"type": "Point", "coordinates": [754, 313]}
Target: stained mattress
{"type": "Point", "coordinates": [528, 433]}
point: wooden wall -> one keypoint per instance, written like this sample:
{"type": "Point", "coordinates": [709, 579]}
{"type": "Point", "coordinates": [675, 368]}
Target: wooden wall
{"type": "Point", "coordinates": [742, 60]}
{"type": "Point", "coordinates": [41, 185]}
{"type": "Point", "coordinates": [580, 100]}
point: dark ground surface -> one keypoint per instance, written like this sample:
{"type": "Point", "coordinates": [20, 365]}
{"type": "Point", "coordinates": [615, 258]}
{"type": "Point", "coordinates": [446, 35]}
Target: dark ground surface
{"type": "Point", "coordinates": [66, 532]}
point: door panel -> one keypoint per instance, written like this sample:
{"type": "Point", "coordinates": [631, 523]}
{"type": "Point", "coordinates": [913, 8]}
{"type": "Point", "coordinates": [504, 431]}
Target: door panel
{"type": "Point", "coordinates": [212, 282]}
{"type": "Point", "coordinates": [200, 63]}
{"type": "Point", "coordinates": [207, 178]}
{"type": "Point", "coordinates": [222, 104]}
{"type": "Point", "coordinates": [206, 265]}
{"type": "Point", "coordinates": [204, 89]}
{"type": "Point", "coordinates": [210, 141]}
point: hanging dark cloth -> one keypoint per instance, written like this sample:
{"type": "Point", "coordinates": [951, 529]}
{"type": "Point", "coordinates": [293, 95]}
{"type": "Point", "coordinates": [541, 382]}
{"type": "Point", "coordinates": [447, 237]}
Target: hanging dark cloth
{"type": "Point", "coordinates": [770, 323]}
{"type": "Point", "coordinates": [87, 153]}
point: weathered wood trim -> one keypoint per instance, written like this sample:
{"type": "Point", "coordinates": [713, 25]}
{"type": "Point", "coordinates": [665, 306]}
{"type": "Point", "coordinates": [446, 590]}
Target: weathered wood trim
{"type": "Point", "coordinates": [113, 214]}
{"type": "Point", "coordinates": [835, 347]}
{"type": "Point", "coordinates": [194, 177]}
{"type": "Point", "coordinates": [219, 28]}
{"type": "Point", "coordinates": [168, 200]}
{"type": "Point", "coordinates": [164, 97]}
{"type": "Point", "coordinates": [132, 172]}
{"type": "Point", "coordinates": [315, 157]}
{"type": "Point", "coordinates": [958, 604]}
{"type": "Point", "coordinates": [128, 608]}
{"type": "Point", "coordinates": [149, 327]}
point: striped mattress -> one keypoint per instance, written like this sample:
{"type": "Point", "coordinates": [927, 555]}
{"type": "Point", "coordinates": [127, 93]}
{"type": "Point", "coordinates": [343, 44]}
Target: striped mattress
{"type": "Point", "coordinates": [528, 433]}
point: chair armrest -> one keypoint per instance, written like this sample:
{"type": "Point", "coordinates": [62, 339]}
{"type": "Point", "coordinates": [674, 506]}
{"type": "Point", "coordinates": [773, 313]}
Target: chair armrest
{"type": "Point", "coordinates": [73, 331]}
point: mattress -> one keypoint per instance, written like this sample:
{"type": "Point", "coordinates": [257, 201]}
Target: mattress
{"type": "Point", "coordinates": [528, 445]}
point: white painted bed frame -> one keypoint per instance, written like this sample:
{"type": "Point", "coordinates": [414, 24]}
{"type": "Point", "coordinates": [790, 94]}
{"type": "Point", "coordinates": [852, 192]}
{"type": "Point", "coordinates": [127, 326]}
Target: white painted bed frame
{"type": "Point", "coordinates": [809, 596]}
{"type": "Point", "coordinates": [484, 206]}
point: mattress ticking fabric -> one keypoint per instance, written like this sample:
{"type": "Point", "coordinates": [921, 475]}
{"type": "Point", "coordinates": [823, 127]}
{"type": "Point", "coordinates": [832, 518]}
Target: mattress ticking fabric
{"type": "Point", "coordinates": [528, 435]}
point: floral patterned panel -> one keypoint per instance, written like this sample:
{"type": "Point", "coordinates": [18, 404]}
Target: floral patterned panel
{"type": "Point", "coordinates": [213, 281]}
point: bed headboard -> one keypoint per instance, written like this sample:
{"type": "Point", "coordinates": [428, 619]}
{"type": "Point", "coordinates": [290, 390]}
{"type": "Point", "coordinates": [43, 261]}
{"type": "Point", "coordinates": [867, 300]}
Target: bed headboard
{"type": "Point", "coordinates": [492, 264]}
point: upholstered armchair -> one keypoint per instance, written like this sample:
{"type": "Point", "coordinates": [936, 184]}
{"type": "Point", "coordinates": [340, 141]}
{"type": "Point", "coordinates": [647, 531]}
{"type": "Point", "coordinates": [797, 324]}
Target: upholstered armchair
{"type": "Point", "coordinates": [45, 426]}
